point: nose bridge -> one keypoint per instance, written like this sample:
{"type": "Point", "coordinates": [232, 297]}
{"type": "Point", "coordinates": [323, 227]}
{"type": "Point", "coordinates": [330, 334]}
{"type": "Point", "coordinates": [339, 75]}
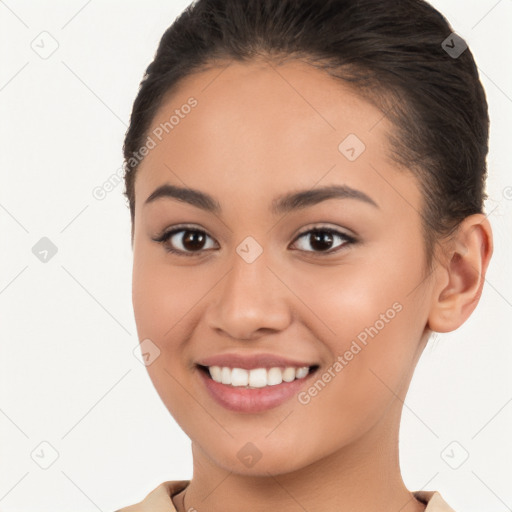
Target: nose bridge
{"type": "Point", "coordinates": [251, 297]}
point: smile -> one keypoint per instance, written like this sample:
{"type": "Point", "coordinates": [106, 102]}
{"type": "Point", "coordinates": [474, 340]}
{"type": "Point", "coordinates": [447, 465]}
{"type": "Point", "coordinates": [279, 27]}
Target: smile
{"type": "Point", "coordinates": [257, 377]}
{"type": "Point", "coordinates": [253, 384]}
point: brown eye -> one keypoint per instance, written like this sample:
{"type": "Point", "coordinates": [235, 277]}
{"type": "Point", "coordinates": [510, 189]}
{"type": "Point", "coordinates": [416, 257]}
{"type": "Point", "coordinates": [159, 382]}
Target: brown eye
{"type": "Point", "coordinates": [185, 241]}
{"type": "Point", "coordinates": [322, 240]}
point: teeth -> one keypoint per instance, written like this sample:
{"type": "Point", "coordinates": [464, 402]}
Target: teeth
{"type": "Point", "coordinates": [289, 374]}
{"type": "Point", "coordinates": [216, 373]}
{"type": "Point", "coordinates": [225, 376]}
{"type": "Point", "coordinates": [301, 372]}
{"type": "Point", "coordinates": [239, 377]}
{"type": "Point", "coordinates": [257, 377]}
{"type": "Point", "coordinates": [274, 376]}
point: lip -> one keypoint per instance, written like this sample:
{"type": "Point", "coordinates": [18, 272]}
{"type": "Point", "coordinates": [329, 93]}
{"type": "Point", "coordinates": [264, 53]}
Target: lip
{"type": "Point", "coordinates": [249, 362]}
{"type": "Point", "coordinates": [252, 400]}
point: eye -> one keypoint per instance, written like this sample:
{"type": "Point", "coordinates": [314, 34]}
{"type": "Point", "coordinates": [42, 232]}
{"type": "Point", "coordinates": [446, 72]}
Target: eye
{"type": "Point", "coordinates": [189, 241]}
{"type": "Point", "coordinates": [322, 238]}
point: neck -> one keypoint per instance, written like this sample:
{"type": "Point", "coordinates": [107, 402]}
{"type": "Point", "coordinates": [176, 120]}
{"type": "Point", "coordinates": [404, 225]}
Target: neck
{"type": "Point", "coordinates": [364, 476]}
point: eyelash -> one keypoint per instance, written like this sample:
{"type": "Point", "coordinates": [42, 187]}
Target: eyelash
{"type": "Point", "coordinates": [164, 237]}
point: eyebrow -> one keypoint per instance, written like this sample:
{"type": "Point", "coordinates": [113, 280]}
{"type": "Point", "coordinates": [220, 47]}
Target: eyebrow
{"type": "Point", "coordinates": [282, 204]}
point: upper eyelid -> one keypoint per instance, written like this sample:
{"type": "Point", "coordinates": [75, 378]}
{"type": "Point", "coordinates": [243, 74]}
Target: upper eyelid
{"type": "Point", "coordinates": [339, 231]}
{"type": "Point", "coordinates": [316, 227]}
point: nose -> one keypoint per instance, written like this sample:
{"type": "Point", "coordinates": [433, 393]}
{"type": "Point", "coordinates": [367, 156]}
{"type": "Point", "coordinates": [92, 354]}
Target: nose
{"type": "Point", "coordinates": [250, 301]}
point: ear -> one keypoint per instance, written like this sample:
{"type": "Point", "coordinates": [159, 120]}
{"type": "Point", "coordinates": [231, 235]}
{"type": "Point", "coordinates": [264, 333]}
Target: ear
{"type": "Point", "coordinates": [461, 274]}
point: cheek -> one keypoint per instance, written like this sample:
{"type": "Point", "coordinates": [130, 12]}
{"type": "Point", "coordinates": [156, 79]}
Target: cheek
{"type": "Point", "coordinates": [370, 364]}
{"type": "Point", "coordinates": [158, 306]}
{"type": "Point", "coordinates": [163, 294]}
{"type": "Point", "coordinates": [167, 304]}
{"type": "Point", "coordinates": [375, 318]}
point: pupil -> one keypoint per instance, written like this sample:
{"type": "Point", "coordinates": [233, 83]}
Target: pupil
{"type": "Point", "coordinates": [321, 240]}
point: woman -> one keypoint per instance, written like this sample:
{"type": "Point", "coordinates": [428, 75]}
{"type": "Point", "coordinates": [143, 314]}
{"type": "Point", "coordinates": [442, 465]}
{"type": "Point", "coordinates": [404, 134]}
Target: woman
{"type": "Point", "coordinates": [306, 186]}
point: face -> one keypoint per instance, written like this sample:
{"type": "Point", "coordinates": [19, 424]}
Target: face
{"type": "Point", "coordinates": [332, 280]}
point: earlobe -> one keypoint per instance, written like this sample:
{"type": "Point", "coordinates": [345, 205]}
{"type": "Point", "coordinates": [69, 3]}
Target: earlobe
{"type": "Point", "coordinates": [462, 275]}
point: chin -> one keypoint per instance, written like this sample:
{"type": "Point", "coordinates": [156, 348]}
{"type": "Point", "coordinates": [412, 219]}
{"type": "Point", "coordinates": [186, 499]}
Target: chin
{"type": "Point", "coordinates": [277, 464]}
{"type": "Point", "coordinates": [260, 457]}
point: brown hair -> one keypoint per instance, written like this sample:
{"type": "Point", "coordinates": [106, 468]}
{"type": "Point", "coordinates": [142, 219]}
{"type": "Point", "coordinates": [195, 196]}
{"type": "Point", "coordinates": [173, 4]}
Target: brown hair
{"type": "Point", "coordinates": [395, 53]}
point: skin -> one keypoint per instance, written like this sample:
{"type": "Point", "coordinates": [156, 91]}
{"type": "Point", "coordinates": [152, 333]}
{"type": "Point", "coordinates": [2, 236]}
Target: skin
{"type": "Point", "coordinates": [260, 131]}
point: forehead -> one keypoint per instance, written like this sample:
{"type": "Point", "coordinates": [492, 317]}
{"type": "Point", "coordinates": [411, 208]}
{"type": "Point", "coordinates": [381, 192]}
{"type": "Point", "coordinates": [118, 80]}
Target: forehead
{"type": "Point", "coordinates": [257, 127]}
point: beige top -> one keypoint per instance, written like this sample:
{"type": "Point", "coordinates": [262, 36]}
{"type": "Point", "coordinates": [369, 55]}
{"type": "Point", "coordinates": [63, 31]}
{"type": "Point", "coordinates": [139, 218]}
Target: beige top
{"type": "Point", "coordinates": [159, 499]}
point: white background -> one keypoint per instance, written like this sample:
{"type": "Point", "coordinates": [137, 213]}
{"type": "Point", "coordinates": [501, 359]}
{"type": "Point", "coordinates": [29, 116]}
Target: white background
{"type": "Point", "coordinates": [68, 373]}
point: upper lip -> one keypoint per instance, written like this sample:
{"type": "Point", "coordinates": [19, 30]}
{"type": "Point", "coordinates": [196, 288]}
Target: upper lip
{"type": "Point", "coordinates": [249, 362]}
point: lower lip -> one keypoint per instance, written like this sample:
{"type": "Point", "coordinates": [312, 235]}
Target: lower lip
{"type": "Point", "coordinates": [241, 399]}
